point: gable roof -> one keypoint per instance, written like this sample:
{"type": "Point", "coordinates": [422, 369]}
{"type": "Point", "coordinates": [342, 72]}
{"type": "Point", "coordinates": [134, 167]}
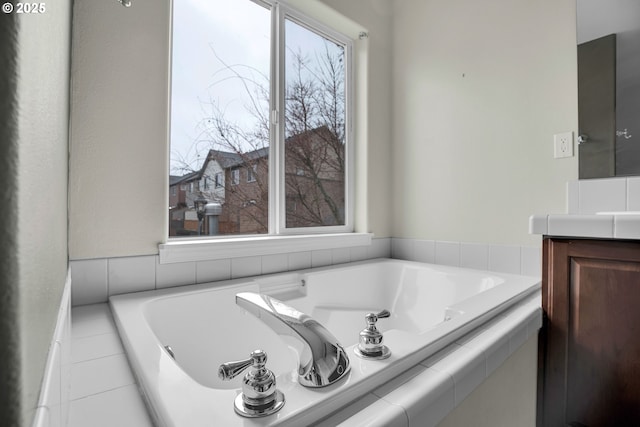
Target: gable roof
{"type": "Point", "coordinates": [227, 159]}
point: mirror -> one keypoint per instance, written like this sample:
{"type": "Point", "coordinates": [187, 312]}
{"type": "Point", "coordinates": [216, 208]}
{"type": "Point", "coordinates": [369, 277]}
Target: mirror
{"type": "Point", "coordinates": [608, 88]}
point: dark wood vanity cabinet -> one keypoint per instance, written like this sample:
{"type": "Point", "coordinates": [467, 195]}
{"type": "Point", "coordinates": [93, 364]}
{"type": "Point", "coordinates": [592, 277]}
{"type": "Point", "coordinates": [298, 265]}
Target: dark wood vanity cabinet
{"type": "Point", "coordinates": [589, 352]}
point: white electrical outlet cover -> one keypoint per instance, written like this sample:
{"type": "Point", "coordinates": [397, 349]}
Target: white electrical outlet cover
{"type": "Point", "coordinates": [563, 145]}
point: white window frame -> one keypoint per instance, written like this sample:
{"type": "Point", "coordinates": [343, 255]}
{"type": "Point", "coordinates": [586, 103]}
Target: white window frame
{"type": "Point", "coordinates": [277, 193]}
{"type": "Point", "coordinates": [281, 239]}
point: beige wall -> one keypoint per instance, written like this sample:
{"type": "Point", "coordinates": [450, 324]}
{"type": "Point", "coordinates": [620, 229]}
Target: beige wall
{"type": "Point", "coordinates": [118, 177]}
{"type": "Point", "coordinates": [43, 116]}
{"type": "Point", "coordinates": [479, 89]}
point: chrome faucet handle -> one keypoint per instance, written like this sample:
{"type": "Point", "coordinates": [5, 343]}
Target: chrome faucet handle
{"type": "Point", "coordinates": [372, 318]}
{"type": "Point", "coordinates": [259, 396]}
{"type": "Point", "coordinates": [370, 345]}
{"type": "Point", "coordinates": [230, 370]}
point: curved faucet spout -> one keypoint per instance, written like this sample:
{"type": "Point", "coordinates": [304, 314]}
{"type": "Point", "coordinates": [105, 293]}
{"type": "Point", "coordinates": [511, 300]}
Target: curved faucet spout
{"type": "Point", "coordinates": [322, 360]}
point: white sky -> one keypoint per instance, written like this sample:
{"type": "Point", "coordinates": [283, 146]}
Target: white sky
{"type": "Point", "coordinates": [197, 25]}
{"type": "Point", "coordinates": [238, 31]}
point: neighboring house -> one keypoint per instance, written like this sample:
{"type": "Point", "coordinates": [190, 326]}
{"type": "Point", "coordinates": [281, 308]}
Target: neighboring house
{"type": "Point", "coordinates": [246, 205]}
{"type": "Point", "coordinates": [180, 221]}
{"type": "Point", "coordinates": [314, 179]}
{"type": "Point", "coordinates": [177, 195]}
{"type": "Point", "coordinates": [314, 186]}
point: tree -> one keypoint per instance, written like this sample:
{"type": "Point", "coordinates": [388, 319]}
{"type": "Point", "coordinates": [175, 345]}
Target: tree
{"type": "Point", "coordinates": [314, 143]}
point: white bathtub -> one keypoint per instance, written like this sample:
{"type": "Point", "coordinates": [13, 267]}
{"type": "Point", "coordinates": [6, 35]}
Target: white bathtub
{"type": "Point", "coordinates": [431, 306]}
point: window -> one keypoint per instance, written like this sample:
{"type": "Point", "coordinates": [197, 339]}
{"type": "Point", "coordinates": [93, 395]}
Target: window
{"type": "Point", "coordinates": [235, 176]}
{"type": "Point", "coordinates": [271, 97]}
{"type": "Point", "coordinates": [251, 173]}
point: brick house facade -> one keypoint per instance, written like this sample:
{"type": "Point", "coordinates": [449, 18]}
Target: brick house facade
{"type": "Point", "coordinates": [314, 186]}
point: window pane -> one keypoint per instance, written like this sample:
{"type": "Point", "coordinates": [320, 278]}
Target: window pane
{"type": "Point", "coordinates": [220, 116]}
{"type": "Point", "coordinates": [314, 129]}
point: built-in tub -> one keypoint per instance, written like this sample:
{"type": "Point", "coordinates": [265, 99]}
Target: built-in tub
{"type": "Point", "coordinates": [431, 306]}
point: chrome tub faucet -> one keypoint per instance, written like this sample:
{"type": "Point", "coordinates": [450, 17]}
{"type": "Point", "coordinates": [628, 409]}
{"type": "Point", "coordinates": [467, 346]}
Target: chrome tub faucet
{"type": "Point", "coordinates": [322, 360]}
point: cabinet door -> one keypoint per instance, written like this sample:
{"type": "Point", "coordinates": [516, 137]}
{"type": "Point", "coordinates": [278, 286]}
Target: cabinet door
{"type": "Point", "coordinates": [591, 363]}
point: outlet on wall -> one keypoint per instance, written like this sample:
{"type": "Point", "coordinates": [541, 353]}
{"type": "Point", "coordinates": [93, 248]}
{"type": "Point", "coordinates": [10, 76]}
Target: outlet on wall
{"type": "Point", "coordinates": [563, 145]}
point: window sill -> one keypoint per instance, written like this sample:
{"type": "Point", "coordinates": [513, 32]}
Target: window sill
{"type": "Point", "coordinates": [212, 249]}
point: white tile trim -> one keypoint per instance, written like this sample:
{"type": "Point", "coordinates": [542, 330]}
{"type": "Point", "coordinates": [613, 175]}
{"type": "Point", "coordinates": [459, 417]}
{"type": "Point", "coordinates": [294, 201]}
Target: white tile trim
{"type": "Point", "coordinates": [616, 225]}
{"type": "Point", "coordinates": [202, 250]}
{"type": "Point", "coordinates": [54, 400]}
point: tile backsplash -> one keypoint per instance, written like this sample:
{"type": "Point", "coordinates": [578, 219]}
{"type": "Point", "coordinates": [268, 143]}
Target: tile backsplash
{"type": "Point", "coordinates": [589, 196]}
{"type": "Point", "coordinates": [95, 280]}
{"type": "Point", "coordinates": [512, 259]}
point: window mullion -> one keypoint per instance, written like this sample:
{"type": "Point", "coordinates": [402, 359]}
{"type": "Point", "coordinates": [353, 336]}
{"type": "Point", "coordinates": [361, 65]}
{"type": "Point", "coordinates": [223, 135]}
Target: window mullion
{"type": "Point", "coordinates": [277, 191]}
{"type": "Point", "coordinates": [274, 120]}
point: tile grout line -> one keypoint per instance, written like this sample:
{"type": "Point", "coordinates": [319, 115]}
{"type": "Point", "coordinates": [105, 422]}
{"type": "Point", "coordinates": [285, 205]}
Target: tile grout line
{"type": "Point", "coordinates": [106, 391]}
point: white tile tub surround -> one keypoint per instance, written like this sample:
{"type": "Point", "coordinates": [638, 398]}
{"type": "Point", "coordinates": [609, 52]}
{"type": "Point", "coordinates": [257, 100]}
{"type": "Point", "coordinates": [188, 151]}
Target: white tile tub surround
{"type": "Point", "coordinates": [94, 280]}
{"type": "Point", "coordinates": [54, 401]}
{"type": "Point", "coordinates": [90, 281]}
{"type": "Point", "coordinates": [523, 260]}
{"type": "Point", "coordinates": [447, 253]}
{"type": "Point", "coordinates": [422, 396]}
{"type": "Point", "coordinates": [101, 379]}
{"type": "Point", "coordinates": [474, 255]}
{"type": "Point", "coordinates": [429, 391]}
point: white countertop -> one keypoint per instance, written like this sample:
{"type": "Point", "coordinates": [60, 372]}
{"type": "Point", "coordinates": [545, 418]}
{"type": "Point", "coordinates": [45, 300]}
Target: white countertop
{"type": "Point", "coordinates": [606, 225]}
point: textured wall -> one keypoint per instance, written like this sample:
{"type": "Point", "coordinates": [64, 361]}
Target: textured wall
{"type": "Point", "coordinates": [9, 350]}
{"type": "Point", "coordinates": [118, 183]}
{"type": "Point", "coordinates": [42, 119]}
{"type": "Point", "coordinates": [479, 89]}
